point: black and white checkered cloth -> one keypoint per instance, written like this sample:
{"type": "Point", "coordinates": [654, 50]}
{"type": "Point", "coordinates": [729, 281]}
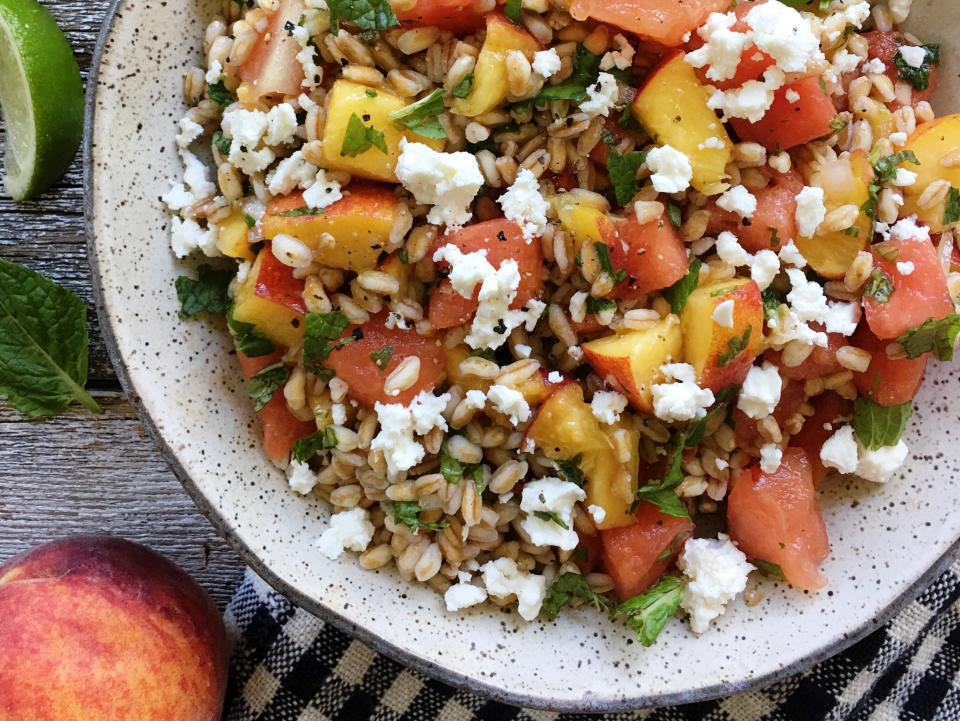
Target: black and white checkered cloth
{"type": "Point", "coordinates": [290, 666]}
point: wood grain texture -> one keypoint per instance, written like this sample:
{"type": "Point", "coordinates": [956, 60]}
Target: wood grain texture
{"type": "Point", "coordinates": [86, 473]}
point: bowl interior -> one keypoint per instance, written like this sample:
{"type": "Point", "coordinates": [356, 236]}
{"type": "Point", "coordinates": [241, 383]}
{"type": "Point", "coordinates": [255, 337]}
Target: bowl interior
{"type": "Point", "coordinates": [188, 387]}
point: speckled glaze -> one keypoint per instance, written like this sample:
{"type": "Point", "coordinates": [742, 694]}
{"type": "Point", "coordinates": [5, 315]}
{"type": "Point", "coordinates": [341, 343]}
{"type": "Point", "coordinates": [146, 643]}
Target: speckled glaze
{"type": "Point", "coordinates": [887, 540]}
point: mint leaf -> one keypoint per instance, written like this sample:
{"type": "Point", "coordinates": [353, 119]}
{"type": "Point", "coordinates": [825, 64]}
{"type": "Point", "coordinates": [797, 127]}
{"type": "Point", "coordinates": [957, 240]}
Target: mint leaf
{"type": "Point", "coordinates": [365, 14]}
{"type": "Point", "coordinates": [769, 569]}
{"type": "Point", "coordinates": [937, 335]}
{"type": "Point", "coordinates": [678, 293]}
{"type": "Point", "coordinates": [586, 67]}
{"type": "Point", "coordinates": [464, 87]}
{"type": "Point", "coordinates": [603, 255]}
{"type": "Point", "coordinates": [208, 293]}
{"type": "Point", "coordinates": [551, 517]}
{"type": "Point", "coordinates": [249, 341]}
{"type": "Point", "coordinates": [735, 346]}
{"type": "Point", "coordinates": [647, 613]}
{"type": "Point", "coordinates": [771, 303]}
{"type": "Point", "coordinates": [222, 143]}
{"type": "Point", "coordinates": [622, 169]}
{"type": "Point", "coordinates": [951, 213]}
{"type": "Point", "coordinates": [919, 78]}
{"type": "Point", "coordinates": [322, 440]}
{"type": "Point", "coordinates": [661, 494]}
{"type": "Point", "coordinates": [219, 94]}
{"type": "Point", "coordinates": [43, 344]}
{"type": "Point", "coordinates": [450, 468]}
{"type": "Point", "coordinates": [359, 138]}
{"type": "Point", "coordinates": [598, 305]}
{"type": "Point", "coordinates": [408, 513]}
{"type": "Point", "coordinates": [381, 358]}
{"type": "Point", "coordinates": [263, 384]}
{"type": "Point", "coordinates": [878, 286]}
{"type": "Point", "coordinates": [570, 470]}
{"type": "Point", "coordinates": [512, 10]}
{"type": "Point", "coordinates": [564, 590]}
{"type": "Point", "coordinates": [421, 116]}
{"type": "Point", "coordinates": [321, 336]}
{"type": "Point", "coordinates": [298, 212]}
{"type": "Point", "coordinates": [878, 426]}
{"type": "Point", "coordinates": [673, 213]}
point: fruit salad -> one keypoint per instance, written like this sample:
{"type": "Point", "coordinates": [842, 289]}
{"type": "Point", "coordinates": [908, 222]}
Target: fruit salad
{"type": "Point", "coordinates": [574, 302]}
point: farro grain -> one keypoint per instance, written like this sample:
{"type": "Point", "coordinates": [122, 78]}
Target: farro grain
{"type": "Point", "coordinates": [376, 557]}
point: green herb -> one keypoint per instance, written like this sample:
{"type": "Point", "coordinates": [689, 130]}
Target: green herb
{"type": "Point", "coordinates": [586, 67]}
{"type": "Point", "coordinates": [476, 473]}
{"type": "Point", "coordinates": [248, 220]}
{"type": "Point", "coordinates": [919, 78]}
{"type": "Point", "coordinates": [408, 513]}
{"type": "Point", "coordinates": [570, 469]}
{"type": "Point", "coordinates": [208, 293]}
{"type": "Point", "coordinates": [512, 10]}
{"type": "Point", "coordinates": [464, 87]}
{"type": "Point", "coordinates": [838, 124]}
{"type": "Point", "coordinates": [403, 256]}
{"type": "Point", "coordinates": [221, 142]}
{"type": "Point", "coordinates": [568, 587]}
{"type": "Point", "coordinates": [219, 94]}
{"type": "Point", "coordinates": [421, 116]}
{"type": "Point", "coordinates": [370, 93]}
{"type": "Point", "coordinates": [381, 358]}
{"type": "Point", "coordinates": [886, 167]}
{"type": "Point", "coordinates": [262, 385]}
{"type": "Point", "coordinates": [678, 293]}
{"type": "Point", "coordinates": [321, 336]}
{"type": "Point", "coordinates": [723, 291]}
{"type": "Point", "coordinates": [887, 252]}
{"type": "Point", "coordinates": [599, 305]}
{"type": "Point", "coordinates": [771, 304]}
{"type": "Point", "coordinates": [627, 121]}
{"type": "Point", "coordinates": [697, 429]}
{"type": "Point", "coordinates": [674, 215]}
{"type": "Point", "coordinates": [622, 169]}
{"type": "Point", "coordinates": [298, 212]}
{"type": "Point", "coordinates": [937, 335]}
{"type": "Point", "coordinates": [551, 517]}
{"type": "Point", "coordinates": [306, 448]}
{"type": "Point", "coordinates": [43, 344]}
{"type": "Point", "coordinates": [769, 569]}
{"type": "Point", "coordinates": [878, 286]}
{"type": "Point", "coordinates": [878, 426]}
{"type": "Point", "coordinates": [662, 494]}
{"type": "Point", "coordinates": [359, 138]}
{"type": "Point", "coordinates": [853, 231]}
{"type": "Point", "coordinates": [647, 613]}
{"type": "Point", "coordinates": [603, 255]}
{"type": "Point", "coordinates": [951, 213]}
{"type": "Point", "coordinates": [365, 14]}
{"type": "Point", "coordinates": [485, 353]}
{"type": "Point", "coordinates": [735, 346]}
{"type": "Point", "coordinates": [450, 468]}
{"type": "Point", "coordinates": [249, 341]}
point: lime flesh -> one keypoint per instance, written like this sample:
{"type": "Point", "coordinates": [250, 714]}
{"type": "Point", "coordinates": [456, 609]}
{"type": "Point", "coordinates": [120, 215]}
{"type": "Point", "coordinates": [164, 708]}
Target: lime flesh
{"type": "Point", "coordinates": [41, 96]}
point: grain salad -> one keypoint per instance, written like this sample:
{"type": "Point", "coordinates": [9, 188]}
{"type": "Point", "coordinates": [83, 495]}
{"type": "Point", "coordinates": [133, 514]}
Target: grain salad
{"type": "Point", "coordinates": [533, 293]}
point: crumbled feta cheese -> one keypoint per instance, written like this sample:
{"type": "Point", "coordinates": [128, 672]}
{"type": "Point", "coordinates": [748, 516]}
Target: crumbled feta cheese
{"type": "Point", "coordinates": [620, 58]}
{"type": "Point", "coordinates": [908, 229]}
{"type": "Point", "coordinates": [683, 400]}
{"type": "Point", "coordinates": [607, 406]}
{"type": "Point", "coordinates": [806, 297]}
{"type": "Point", "coordinates": [906, 268]}
{"type": "Point", "coordinates": [770, 457]}
{"type": "Point", "coordinates": [760, 392]}
{"type": "Point", "coordinates": [810, 211]}
{"type": "Point", "coordinates": [898, 138]}
{"type": "Point", "coordinates": [717, 571]}
{"type": "Point", "coordinates": [463, 595]}
{"type": "Point", "coordinates": [765, 267]}
{"type": "Point", "coordinates": [721, 49]}
{"type": "Point", "coordinates": [322, 192]}
{"type": "Point", "coordinates": [738, 200]}
{"type": "Point", "coordinates": [546, 63]}
{"type": "Point", "coordinates": [398, 424]}
{"type": "Point", "coordinates": [731, 252]}
{"type": "Point", "coordinates": [723, 314]}
{"type": "Point", "coordinates": [523, 204]}
{"type": "Point", "coordinates": [783, 34]}
{"type": "Point", "coordinates": [475, 399]}
{"type": "Point", "coordinates": [874, 66]}
{"type": "Point", "coordinates": [842, 318]}
{"type": "Point", "coordinates": [597, 513]}
{"type": "Point", "coordinates": [245, 128]}
{"type": "Point", "coordinates": [214, 73]}
{"type": "Point", "coordinates": [786, 327]}
{"type": "Point", "coordinates": [554, 377]}
{"type": "Point", "coordinates": [792, 96]}
{"type": "Point", "coordinates": [554, 499]}
{"type": "Point", "coordinates": [196, 185]}
{"type": "Point", "coordinates": [711, 143]}
{"type": "Point", "coordinates": [510, 402]}
{"type": "Point", "coordinates": [879, 465]}
{"type": "Point", "coordinates": [672, 171]}
{"type": "Point", "coordinates": [840, 451]}
{"type": "Point", "coordinates": [578, 306]}
{"type": "Point", "coordinates": [347, 530]}
{"type": "Point", "coordinates": [301, 477]}
{"type": "Point", "coordinates": [791, 255]}
{"type": "Point", "coordinates": [503, 578]}
{"type": "Point", "coordinates": [187, 236]}
{"type": "Point", "coordinates": [601, 96]}
{"type": "Point", "coordinates": [905, 178]}
{"type": "Point", "coordinates": [292, 172]}
{"type": "Point", "coordinates": [751, 100]}
{"type": "Point", "coordinates": [913, 55]}
{"type": "Point", "coordinates": [523, 350]}
{"type": "Point", "coordinates": [447, 181]}
{"type": "Point", "coordinates": [281, 125]}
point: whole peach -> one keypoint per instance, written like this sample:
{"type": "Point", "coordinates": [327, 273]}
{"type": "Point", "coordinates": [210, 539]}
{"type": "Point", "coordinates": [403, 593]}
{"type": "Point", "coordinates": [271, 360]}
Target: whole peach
{"type": "Point", "coordinates": [95, 628]}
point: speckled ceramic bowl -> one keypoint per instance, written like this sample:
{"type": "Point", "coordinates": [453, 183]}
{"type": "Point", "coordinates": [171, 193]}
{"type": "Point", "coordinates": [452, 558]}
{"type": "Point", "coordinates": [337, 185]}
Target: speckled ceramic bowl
{"type": "Point", "coordinates": [888, 541]}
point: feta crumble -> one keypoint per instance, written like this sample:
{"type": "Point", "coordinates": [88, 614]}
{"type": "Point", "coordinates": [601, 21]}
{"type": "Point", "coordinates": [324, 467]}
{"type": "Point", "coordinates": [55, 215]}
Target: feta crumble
{"type": "Point", "coordinates": [607, 406]}
{"type": "Point", "coordinates": [672, 171]}
{"type": "Point", "coordinates": [879, 465]}
{"type": "Point", "coordinates": [556, 498]}
{"type": "Point", "coordinates": [764, 268]}
{"type": "Point", "coordinates": [187, 236]}
{"type": "Point", "coordinates": [301, 477]}
{"type": "Point", "coordinates": [785, 35]}
{"type": "Point", "coordinates": [913, 55]}
{"type": "Point", "coordinates": [601, 96]}
{"type": "Point", "coordinates": [717, 571]}
{"type": "Point", "coordinates": [683, 400]}
{"type": "Point", "coordinates": [723, 314]}
{"type": "Point", "coordinates": [791, 255]}
{"type": "Point", "coordinates": [463, 595]}
{"type": "Point", "coordinates": [760, 392]}
{"type": "Point", "coordinates": [721, 49]}
{"type": "Point", "coordinates": [510, 402]}
{"type": "Point", "coordinates": [751, 100]}
{"type": "Point", "coordinates": [347, 530]}
{"type": "Point", "coordinates": [810, 211]}
{"type": "Point", "coordinates": [322, 192]}
{"type": "Point", "coordinates": [771, 456]}
{"type": "Point", "coordinates": [504, 578]}
{"type": "Point", "coordinates": [523, 204]}
{"type": "Point", "coordinates": [597, 513]}
{"type": "Point", "coordinates": [398, 423]}
{"type": "Point", "coordinates": [738, 200]}
{"type": "Point", "coordinates": [905, 267]}
{"type": "Point", "coordinates": [546, 63]}
{"type": "Point", "coordinates": [447, 181]}
{"type": "Point", "coordinates": [840, 451]}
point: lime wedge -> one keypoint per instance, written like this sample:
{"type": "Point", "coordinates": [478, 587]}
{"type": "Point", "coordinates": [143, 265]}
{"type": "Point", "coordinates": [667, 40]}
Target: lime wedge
{"type": "Point", "coordinates": [41, 96]}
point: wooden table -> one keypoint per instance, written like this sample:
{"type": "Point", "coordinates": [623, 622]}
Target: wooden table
{"type": "Point", "coordinates": [86, 473]}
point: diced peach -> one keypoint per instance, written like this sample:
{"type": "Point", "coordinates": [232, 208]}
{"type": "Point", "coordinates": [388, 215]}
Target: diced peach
{"type": "Point", "coordinates": [272, 299]}
{"type": "Point", "coordinates": [722, 356]}
{"type": "Point", "coordinates": [631, 361]}
{"type": "Point", "coordinates": [232, 238]}
{"type": "Point", "coordinates": [931, 142]}
{"type": "Point", "coordinates": [359, 224]}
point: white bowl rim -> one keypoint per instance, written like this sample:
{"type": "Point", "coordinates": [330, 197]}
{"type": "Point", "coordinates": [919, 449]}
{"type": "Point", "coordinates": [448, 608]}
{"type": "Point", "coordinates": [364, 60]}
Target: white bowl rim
{"type": "Point", "coordinates": [328, 615]}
